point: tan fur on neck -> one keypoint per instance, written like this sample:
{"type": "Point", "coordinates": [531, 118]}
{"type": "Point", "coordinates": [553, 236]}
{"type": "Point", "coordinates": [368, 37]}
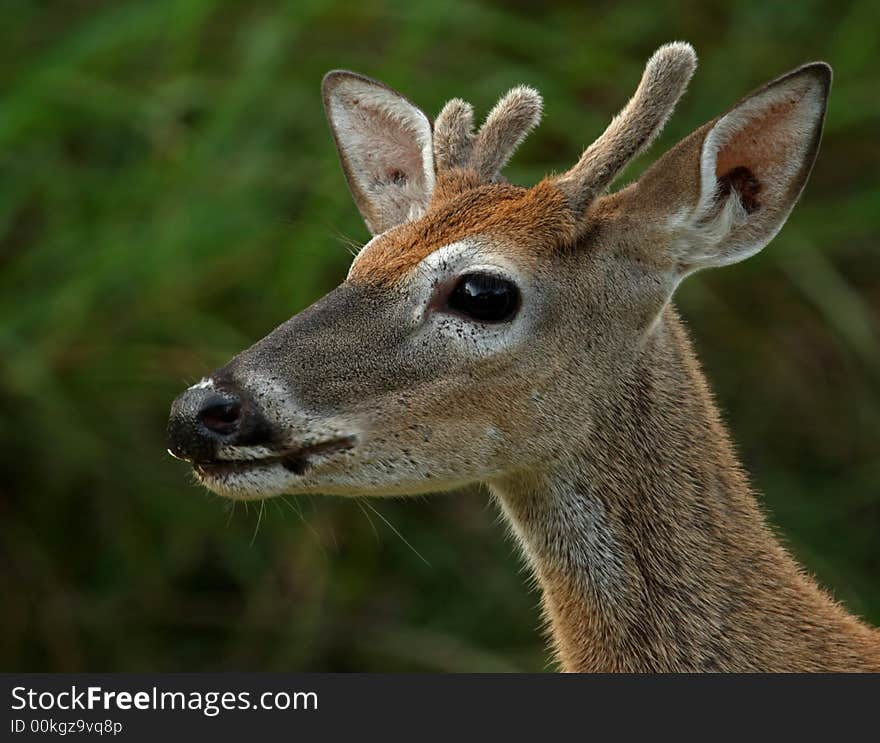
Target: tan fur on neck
{"type": "Point", "coordinates": [680, 571]}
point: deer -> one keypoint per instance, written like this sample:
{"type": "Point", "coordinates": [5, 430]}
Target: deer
{"type": "Point", "coordinates": [525, 339]}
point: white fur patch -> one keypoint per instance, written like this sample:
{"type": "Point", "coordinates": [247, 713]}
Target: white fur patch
{"type": "Point", "coordinates": [439, 271]}
{"type": "Point", "coordinates": [567, 527]}
{"type": "Point", "coordinates": [696, 240]}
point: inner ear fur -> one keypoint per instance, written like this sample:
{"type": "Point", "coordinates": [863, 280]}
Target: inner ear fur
{"type": "Point", "coordinates": [385, 147]}
{"type": "Point", "coordinates": [724, 192]}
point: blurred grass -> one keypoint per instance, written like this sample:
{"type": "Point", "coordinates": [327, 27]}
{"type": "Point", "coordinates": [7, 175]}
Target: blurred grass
{"type": "Point", "coordinates": [169, 193]}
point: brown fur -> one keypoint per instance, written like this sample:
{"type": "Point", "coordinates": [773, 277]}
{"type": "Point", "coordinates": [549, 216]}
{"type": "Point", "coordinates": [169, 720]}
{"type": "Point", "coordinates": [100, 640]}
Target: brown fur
{"type": "Point", "coordinates": [530, 220]}
{"type": "Point", "coordinates": [586, 413]}
{"type": "Point", "coordinates": [693, 579]}
{"type": "Point", "coordinates": [705, 586]}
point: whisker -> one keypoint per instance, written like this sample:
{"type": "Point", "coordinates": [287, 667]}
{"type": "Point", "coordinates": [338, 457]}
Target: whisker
{"type": "Point", "coordinates": [350, 244]}
{"type": "Point", "coordinates": [296, 509]}
{"type": "Point", "coordinates": [291, 506]}
{"type": "Point", "coordinates": [403, 538]}
{"type": "Point", "coordinates": [274, 502]}
{"type": "Point", "coordinates": [372, 525]}
{"type": "Point", "coordinates": [259, 521]}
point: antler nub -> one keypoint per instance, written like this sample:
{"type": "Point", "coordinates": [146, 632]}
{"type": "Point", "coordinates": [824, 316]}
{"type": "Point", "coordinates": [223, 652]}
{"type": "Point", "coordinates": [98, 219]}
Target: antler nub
{"type": "Point", "coordinates": [507, 125]}
{"type": "Point", "coordinates": [454, 134]}
{"type": "Point", "coordinates": [663, 82]}
{"type": "Point", "coordinates": [487, 152]}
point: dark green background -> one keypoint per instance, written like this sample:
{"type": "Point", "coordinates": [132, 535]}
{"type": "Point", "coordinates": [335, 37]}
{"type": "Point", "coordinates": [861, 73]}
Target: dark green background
{"type": "Point", "coordinates": [169, 193]}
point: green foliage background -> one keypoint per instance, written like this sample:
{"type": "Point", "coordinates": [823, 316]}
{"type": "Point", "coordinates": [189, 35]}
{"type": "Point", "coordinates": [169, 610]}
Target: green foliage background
{"type": "Point", "coordinates": [169, 193]}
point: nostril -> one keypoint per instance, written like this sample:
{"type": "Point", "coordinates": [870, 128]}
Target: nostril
{"type": "Point", "coordinates": [220, 415]}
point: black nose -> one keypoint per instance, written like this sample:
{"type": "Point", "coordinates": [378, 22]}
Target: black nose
{"type": "Point", "coordinates": [220, 414]}
{"type": "Point", "coordinates": [204, 418]}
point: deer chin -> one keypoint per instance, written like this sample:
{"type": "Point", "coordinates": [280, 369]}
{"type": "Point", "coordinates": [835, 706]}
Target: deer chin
{"type": "Point", "coordinates": [252, 473]}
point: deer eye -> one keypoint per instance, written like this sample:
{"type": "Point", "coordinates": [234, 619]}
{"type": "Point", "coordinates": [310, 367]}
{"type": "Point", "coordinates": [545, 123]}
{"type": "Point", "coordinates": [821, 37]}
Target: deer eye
{"type": "Point", "coordinates": [484, 297]}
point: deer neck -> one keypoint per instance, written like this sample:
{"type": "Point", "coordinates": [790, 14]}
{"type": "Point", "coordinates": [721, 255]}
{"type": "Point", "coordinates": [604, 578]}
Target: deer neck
{"type": "Point", "coordinates": [652, 553]}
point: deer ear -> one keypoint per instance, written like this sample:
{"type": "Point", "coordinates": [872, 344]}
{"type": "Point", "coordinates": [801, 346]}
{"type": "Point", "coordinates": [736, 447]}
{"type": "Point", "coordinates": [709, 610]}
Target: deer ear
{"type": "Point", "coordinates": [724, 192]}
{"type": "Point", "coordinates": [385, 147]}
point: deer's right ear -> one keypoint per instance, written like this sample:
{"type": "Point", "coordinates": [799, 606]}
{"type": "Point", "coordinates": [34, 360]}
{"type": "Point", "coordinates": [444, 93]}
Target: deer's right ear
{"type": "Point", "coordinates": [725, 191]}
{"type": "Point", "coordinates": [385, 146]}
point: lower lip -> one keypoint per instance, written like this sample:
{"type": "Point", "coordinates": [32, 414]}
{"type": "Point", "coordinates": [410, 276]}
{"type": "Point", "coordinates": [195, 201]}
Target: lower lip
{"type": "Point", "coordinates": [296, 462]}
{"type": "Point", "coordinates": [244, 480]}
{"type": "Point", "coordinates": [219, 469]}
{"type": "Point", "coordinates": [223, 469]}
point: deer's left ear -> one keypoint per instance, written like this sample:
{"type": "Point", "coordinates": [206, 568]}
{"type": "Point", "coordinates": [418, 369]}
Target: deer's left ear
{"type": "Point", "coordinates": [385, 147]}
{"type": "Point", "coordinates": [725, 191]}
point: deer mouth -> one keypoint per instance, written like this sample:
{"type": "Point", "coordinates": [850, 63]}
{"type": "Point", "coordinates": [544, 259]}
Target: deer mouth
{"type": "Point", "coordinates": [296, 460]}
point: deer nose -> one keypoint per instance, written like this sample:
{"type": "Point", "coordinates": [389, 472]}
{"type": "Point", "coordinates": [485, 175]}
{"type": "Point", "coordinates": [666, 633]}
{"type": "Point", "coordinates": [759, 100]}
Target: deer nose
{"type": "Point", "coordinates": [203, 419]}
{"type": "Point", "coordinates": [220, 414]}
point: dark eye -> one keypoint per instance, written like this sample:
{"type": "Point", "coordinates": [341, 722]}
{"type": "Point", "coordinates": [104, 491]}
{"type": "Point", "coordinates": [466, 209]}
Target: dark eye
{"type": "Point", "coordinates": [484, 297]}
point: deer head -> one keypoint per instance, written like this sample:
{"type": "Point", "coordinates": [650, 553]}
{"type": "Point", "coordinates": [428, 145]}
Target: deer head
{"type": "Point", "coordinates": [484, 323]}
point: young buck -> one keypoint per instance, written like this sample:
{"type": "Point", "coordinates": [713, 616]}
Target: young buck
{"type": "Point", "coordinates": [525, 338]}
